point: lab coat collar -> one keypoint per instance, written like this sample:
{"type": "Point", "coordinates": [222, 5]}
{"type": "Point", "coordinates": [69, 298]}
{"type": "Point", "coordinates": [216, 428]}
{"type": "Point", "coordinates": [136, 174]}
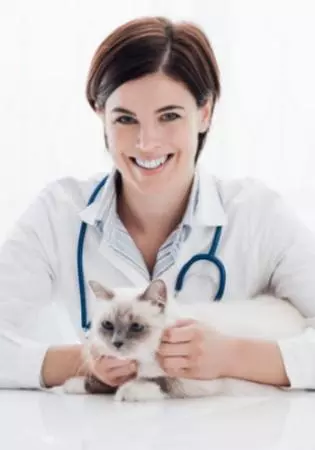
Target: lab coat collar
{"type": "Point", "coordinates": [92, 214]}
{"type": "Point", "coordinates": [209, 209]}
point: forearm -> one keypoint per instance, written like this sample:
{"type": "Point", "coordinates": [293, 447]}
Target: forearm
{"type": "Point", "coordinates": [255, 360]}
{"type": "Point", "coordinates": [62, 363]}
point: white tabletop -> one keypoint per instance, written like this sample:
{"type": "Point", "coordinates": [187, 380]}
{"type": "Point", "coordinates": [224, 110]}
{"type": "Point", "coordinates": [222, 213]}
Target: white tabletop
{"type": "Point", "coordinates": [50, 420]}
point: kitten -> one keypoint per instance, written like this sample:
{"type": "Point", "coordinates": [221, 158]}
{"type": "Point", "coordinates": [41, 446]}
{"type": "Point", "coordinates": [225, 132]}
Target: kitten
{"type": "Point", "coordinates": [128, 323]}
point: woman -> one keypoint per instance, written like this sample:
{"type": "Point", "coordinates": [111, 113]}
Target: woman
{"type": "Point", "coordinates": [154, 85]}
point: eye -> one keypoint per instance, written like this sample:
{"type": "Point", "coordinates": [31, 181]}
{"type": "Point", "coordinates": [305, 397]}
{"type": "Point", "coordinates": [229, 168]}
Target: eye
{"type": "Point", "coordinates": [169, 117]}
{"type": "Point", "coordinates": [136, 327]}
{"type": "Point", "coordinates": [107, 325]}
{"type": "Point", "coordinates": [125, 120]}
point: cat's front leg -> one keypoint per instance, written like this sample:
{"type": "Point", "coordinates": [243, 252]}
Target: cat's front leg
{"type": "Point", "coordinates": [139, 390]}
{"type": "Point", "coordinates": [87, 385]}
{"type": "Point", "coordinates": [74, 385]}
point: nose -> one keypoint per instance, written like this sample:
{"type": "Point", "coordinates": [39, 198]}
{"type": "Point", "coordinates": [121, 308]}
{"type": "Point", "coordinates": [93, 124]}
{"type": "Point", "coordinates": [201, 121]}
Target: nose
{"type": "Point", "coordinates": [149, 137]}
{"type": "Point", "coordinates": [118, 344]}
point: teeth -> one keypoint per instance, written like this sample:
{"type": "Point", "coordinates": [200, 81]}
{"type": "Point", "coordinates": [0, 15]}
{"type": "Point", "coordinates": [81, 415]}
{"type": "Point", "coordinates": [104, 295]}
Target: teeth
{"type": "Point", "coordinates": [151, 164]}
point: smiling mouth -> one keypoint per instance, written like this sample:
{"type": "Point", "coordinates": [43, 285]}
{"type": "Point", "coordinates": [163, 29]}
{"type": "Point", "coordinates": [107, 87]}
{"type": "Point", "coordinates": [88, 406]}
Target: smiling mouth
{"type": "Point", "coordinates": [151, 164]}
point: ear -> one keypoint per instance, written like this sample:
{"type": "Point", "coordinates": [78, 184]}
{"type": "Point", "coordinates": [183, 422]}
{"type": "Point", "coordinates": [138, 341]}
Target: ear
{"type": "Point", "coordinates": [156, 292]}
{"type": "Point", "coordinates": [100, 291]}
{"type": "Point", "coordinates": [205, 115]}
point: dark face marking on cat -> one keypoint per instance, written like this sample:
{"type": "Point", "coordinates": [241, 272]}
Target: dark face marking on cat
{"type": "Point", "coordinates": [124, 329]}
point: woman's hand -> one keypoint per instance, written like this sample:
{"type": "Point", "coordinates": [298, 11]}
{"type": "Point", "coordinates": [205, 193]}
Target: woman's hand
{"type": "Point", "coordinates": [112, 371]}
{"type": "Point", "coordinates": [189, 349]}
{"type": "Point", "coordinates": [64, 362]}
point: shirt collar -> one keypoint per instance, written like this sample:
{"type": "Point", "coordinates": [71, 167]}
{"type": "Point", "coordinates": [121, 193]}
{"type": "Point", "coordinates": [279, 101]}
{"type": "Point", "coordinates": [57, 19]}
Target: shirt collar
{"type": "Point", "coordinates": [204, 207]}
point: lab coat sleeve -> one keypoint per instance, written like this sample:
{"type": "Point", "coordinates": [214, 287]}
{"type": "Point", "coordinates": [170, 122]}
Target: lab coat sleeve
{"type": "Point", "coordinates": [28, 267]}
{"type": "Point", "coordinates": [289, 250]}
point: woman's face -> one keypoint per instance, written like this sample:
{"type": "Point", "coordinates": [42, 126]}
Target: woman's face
{"type": "Point", "coordinates": [152, 125]}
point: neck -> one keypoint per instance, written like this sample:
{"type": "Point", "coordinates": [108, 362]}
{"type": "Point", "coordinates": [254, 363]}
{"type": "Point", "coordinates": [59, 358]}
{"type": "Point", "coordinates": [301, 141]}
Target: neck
{"type": "Point", "coordinates": [160, 213]}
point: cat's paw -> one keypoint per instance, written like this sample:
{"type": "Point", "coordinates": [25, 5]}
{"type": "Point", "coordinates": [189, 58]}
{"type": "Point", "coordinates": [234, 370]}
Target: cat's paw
{"type": "Point", "coordinates": [75, 385]}
{"type": "Point", "coordinates": [138, 391]}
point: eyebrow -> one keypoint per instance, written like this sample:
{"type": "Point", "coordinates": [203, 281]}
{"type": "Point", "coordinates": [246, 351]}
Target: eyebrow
{"type": "Point", "coordinates": [163, 109]}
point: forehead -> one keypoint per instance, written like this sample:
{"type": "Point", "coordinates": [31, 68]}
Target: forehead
{"type": "Point", "coordinates": [123, 313]}
{"type": "Point", "coordinates": [127, 312]}
{"type": "Point", "coordinates": [150, 92]}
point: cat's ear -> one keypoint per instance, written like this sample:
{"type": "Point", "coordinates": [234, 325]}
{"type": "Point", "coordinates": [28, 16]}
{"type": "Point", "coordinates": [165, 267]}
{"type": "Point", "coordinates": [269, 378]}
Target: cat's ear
{"type": "Point", "coordinates": [156, 293]}
{"type": "Point", "coordinates": [100, 291]}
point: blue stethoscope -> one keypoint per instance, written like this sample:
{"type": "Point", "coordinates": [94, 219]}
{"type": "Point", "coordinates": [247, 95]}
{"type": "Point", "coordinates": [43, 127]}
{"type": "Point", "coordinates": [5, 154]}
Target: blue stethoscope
{"type": "Point", "coordinates": [210, 257]}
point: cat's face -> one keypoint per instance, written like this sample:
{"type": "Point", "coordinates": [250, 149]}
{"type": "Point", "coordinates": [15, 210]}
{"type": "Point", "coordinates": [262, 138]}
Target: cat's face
{"type": "Point", "coordinates": [127, 323]}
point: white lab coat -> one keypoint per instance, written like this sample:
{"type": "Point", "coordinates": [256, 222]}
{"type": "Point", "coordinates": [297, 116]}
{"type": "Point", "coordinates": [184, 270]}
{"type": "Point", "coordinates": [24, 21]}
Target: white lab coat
{"type": "Point", "coordinates": [262, 245]}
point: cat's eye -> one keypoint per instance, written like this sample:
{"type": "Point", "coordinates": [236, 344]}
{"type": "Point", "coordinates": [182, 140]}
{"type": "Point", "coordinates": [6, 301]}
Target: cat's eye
{"type": "Point", "coordinates": [136, 327]}
{"type": "Point", "coordinates": [107, 325]}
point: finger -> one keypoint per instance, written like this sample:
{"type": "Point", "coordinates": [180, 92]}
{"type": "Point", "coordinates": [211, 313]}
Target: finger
{"type": "Point", "coordinates": [116, 378]}
{"type": "Point", "coordinates": [117, 372]}
{"type": "Point", "coordinates": [105, 363]}
{"type": "Point", "coordinates": [112, 378]}
{"type": "Point", "coordinates": [175, 363]}
{"type": "Point", "coordinates": [107, 375]}
{"type": "Point", "coordinates": [179, 334]}
{"type": "Point", "coordinates": [167, 349]}
{"type": "Point", "coordinates": [112, 363]}
{"type": "Point", "coordinates": [179, 373]}
{"type": "Point", "coordinates": [102, 359]}
{"type": "Point", "coordinates": [184, 322]}
{"type": "Point", "coordinates": [121, 380]}
{"type": "Point", "coordinates": [114, 382]}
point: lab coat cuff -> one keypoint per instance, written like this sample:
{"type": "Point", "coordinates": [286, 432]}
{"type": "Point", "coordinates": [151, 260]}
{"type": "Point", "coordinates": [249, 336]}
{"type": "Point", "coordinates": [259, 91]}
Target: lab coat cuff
{"type": "Point", "coordinates": [30, 365]}
{"type": "Point", "coordinates": [298, 355]}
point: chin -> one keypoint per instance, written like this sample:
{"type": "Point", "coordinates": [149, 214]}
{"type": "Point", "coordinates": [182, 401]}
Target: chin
{"type": "Point", "coordinates": [142, 353]}
{"type": "Point", "coordinates": [153, 189]}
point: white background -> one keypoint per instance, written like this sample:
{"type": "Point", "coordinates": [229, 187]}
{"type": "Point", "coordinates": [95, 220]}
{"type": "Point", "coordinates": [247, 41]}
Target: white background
{"type": "Point", "coordinates": [263, 125]}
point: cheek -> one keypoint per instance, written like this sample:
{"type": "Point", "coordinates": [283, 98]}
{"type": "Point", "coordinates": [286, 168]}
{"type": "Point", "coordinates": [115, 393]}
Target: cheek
{"type": "Point", "coordinates": [104, 337]}
{"type": "Point", "coordinates": [98, 344]}
{"type": "Point", "coordinates": [192, 135]}
{"type": "Point", "coordinates": [151, 340]}
{"type": "Point", "coordinates": [184, 137]}
{"type": "Point", "coordinates": [121, 139]}
{"type": "Point", "coordinates": [139, 340]}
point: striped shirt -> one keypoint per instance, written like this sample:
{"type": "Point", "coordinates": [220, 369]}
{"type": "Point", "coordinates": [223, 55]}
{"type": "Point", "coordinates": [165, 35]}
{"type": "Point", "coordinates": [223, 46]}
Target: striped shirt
{"type": "Point", "coordinates": [117, 236]}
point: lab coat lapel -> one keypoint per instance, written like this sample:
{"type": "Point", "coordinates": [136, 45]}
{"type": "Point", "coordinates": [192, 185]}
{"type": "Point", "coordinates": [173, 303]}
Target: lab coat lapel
{"type": "Point", "coordinates": [208, 216]}
{"type": "Point", "coordinates": [92, 215]}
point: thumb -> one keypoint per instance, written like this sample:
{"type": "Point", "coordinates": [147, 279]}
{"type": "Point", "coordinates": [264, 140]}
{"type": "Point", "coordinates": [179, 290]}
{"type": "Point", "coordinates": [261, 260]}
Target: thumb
{"type": "Point", "coordinates": [184, 322]}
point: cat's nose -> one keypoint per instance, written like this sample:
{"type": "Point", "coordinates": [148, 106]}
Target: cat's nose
{"type": "Point", "coordinates": [118, 344]}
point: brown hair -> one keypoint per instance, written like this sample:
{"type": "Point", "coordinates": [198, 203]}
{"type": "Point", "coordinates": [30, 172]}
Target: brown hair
{"type": "Point", "coordinates": [147, 45]}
